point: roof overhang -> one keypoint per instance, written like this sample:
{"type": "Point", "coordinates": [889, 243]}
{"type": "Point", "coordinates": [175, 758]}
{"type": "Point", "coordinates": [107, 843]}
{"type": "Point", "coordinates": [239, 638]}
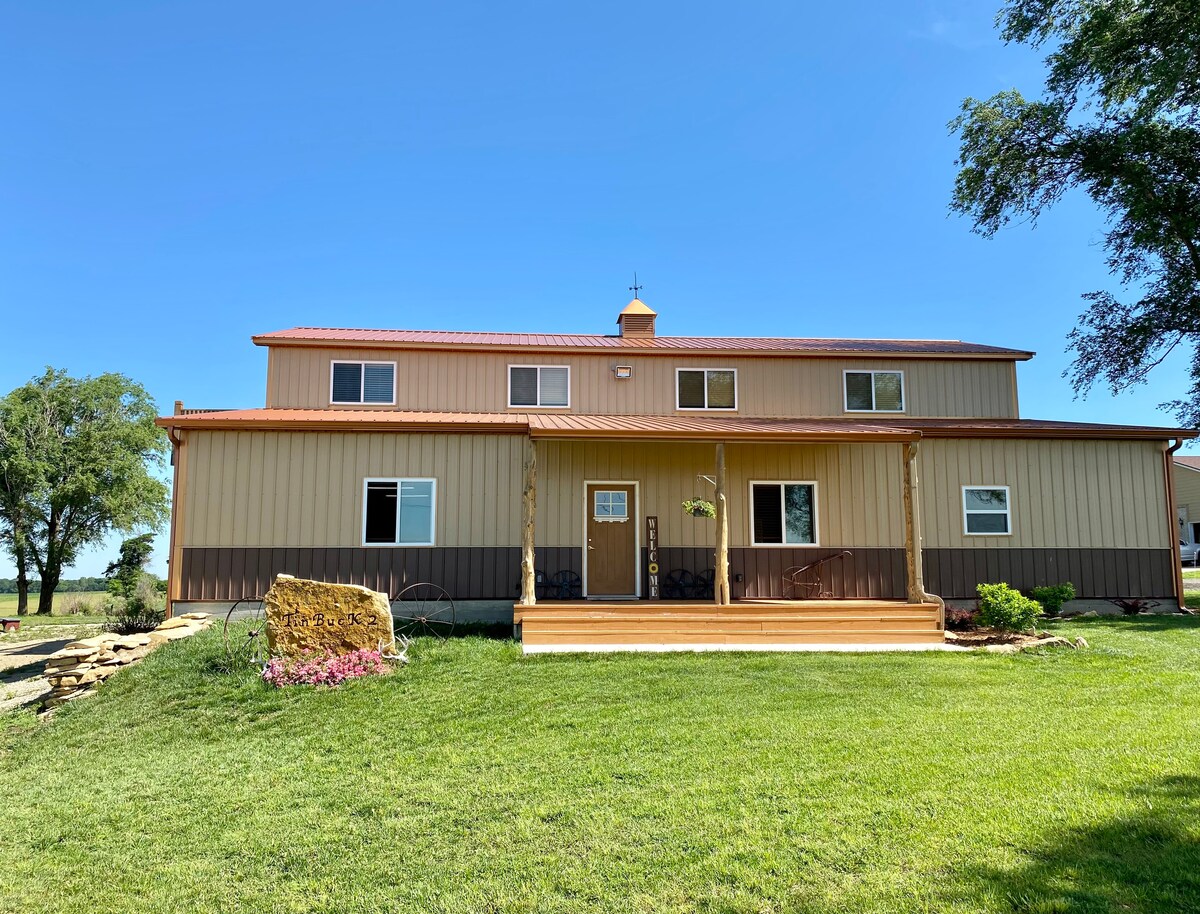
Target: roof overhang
{"type": "Point", "coordinates": [658, 428]}
{"type": "Point", "coordinates": [347, 420]}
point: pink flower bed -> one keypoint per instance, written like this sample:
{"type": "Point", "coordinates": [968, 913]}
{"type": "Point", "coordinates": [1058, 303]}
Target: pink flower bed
{"type": "Point", "coordinates": [323, 669]}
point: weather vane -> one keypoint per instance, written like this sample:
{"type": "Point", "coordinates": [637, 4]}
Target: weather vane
{"type": "Point", "coordinates": [635, 287]}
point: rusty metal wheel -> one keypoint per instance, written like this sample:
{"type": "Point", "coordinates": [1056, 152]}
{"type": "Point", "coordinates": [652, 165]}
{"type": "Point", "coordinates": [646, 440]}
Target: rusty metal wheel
{"type": "Point", "coordinates": [678, 585]}
{"type": "Point", "coordinates": [423, 610]}
{"type": "Point", "coordinates": [245, 631]}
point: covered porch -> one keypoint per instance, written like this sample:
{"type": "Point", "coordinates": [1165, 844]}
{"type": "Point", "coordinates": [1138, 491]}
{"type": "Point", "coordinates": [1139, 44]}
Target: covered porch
{"type": "Point", "coordinates": [617, 475]}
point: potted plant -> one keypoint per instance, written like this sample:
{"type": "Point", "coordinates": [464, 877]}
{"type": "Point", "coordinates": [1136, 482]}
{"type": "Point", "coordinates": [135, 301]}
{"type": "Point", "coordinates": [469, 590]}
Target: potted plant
{"type": "Point", "coordinates": [699, 507]}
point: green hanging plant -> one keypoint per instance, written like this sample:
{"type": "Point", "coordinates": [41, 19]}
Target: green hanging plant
{"type": "Point", "coordinates": [700, 507]}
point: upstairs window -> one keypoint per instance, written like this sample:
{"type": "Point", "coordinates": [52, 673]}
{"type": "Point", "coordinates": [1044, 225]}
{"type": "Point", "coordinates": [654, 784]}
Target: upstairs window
{"type": "Point", "coordinates": [706, 388]}
{"type": "Point", "coordinates": [783, 513]}
{"type": "Point", "coordinates": [539, 385]}
{"type": "Point", "coordinates": [874, 391]}
{"type": "Point", "coordinates": [986, 511]}
{"type": "Point", "coordinates": [363, 382]}
{"type": "Point", "coordinates": [398, 512]}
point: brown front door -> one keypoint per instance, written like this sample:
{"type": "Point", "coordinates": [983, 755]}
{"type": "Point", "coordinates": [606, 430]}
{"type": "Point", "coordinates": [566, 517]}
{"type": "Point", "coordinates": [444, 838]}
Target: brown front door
{"type": "Point", "coordinates": [611, 547]}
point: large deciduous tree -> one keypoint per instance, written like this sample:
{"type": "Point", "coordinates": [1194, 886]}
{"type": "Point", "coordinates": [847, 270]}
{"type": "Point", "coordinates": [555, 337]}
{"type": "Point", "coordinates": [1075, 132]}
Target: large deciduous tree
{"type": "Point", "coordinates": [76, 461]}
{"type": "Point", "coordinates": [1120, 119]}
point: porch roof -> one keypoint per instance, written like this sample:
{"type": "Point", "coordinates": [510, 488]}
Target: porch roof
{"type": "Point", "coordinates": [712, 428]}
{"type": "Point", "coordinates": [678, 427]}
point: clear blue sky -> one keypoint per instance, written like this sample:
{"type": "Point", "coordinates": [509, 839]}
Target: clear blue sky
{"type": "Point", "coordinates": [177, 176]}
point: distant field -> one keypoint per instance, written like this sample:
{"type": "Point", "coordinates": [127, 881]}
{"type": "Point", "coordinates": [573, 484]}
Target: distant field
{"type": "Point", "coordinates": [94, 603]}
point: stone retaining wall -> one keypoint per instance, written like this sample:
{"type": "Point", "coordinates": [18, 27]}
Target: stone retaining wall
{"type": "Point", "coordinates": [79, 668]}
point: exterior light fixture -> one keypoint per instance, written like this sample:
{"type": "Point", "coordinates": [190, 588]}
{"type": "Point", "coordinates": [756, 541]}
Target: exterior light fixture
{"type": "Point", "coordinates": [623, 372]}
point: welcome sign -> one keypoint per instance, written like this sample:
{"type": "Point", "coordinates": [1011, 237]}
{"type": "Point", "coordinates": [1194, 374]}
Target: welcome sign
{"type": "Point", "coordinates": [652, 557]}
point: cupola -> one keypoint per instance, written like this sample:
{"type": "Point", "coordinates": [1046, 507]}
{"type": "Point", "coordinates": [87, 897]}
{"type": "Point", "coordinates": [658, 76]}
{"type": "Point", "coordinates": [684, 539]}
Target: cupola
{"type": "Point", "coordinates": [637, 321]}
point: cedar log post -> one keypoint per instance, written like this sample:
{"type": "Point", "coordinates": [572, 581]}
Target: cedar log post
{"type": "Point", "coordinates": [1173, 520]}
{"type": "Point", "coordinates": [912, 539]}
{"type": "Point", "coordinates": [912, 532]}
{"type": "Point", "coordinates": [528, 520]}
{"type": "Point", "coordinates": [721, 572]}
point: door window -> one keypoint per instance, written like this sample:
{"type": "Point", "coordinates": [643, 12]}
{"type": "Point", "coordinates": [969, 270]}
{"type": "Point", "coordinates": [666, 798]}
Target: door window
{"type": "Point", "coordinates": [610, 505]}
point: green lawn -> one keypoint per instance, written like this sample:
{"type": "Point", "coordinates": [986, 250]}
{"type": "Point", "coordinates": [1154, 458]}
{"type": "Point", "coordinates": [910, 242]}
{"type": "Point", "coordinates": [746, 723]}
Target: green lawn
{"type": "Point", "coordinates": [476, 780]}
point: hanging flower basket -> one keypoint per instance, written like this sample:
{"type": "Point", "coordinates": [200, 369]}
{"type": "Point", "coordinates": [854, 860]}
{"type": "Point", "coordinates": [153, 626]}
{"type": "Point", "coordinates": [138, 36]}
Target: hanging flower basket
{"type": "Point", "coordinates": [699, 507]}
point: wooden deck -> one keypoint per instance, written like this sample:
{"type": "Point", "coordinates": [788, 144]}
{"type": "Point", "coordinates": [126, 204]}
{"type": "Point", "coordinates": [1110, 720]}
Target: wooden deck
{"type": "Point", "coordinates": [751, 625]}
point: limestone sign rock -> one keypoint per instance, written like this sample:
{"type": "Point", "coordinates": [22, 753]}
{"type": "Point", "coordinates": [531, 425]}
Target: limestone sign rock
{"type": "Point", "coordinates": [325, 618]}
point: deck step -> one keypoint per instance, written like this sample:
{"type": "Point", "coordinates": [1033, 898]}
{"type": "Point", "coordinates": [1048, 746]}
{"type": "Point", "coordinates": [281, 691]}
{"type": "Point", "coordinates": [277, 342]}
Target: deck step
{"type": "Point", "coordinates": [757, 624]}
{"type": "Point", "coordinates": [588, 636]}
{"type": "Point", "coordinates": [552, 615]}
{"type": "Point", "coordinates": [749, 624]}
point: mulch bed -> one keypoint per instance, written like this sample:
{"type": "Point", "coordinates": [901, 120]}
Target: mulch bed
{"type": "Point", "coordinates": [997, 639]}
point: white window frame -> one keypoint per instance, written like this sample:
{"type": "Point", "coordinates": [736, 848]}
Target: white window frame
{"type": "Point", "coordinates": [362, 382]}
{"type": "Point", "coordinates": [539, 405]}
{"type": "Point", "coordinates": [783, 508]}
{"type": "Point", "coordinates": [611, 518]}
{"type": "Point", "coordinates": [872, 372]}
{"type": "Point", "coordinates": [707, 409]}
{"type": "Point", "coordinates": [1007, 512]}
{"type": "Point", "coordinates": [400, 480]}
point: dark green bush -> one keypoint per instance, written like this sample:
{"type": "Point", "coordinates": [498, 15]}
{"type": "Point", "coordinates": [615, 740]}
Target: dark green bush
{"type": "Point", "coordinates": [141, 610]}
{"type": "Point", "coordinates": [1054, 596]}
{"type": "Point", "coordinates": [1002, 607]}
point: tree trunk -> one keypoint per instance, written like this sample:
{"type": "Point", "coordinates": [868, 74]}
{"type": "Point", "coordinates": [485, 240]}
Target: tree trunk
{"type": "Point", "coordinates": [22, 591]}
{"type": "Point", "coordinates": [22, 584]}
{"type": "Point", "coordinates": [51, 568]}
{"type": "Point", "coordinates": [46, 597]}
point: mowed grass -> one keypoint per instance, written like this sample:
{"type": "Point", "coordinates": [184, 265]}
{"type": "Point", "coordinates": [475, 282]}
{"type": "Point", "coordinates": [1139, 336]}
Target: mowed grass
{"type": "Point", "coordinates": [476, 780]}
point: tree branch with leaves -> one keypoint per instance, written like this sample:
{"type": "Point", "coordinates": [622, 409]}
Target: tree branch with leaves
{"type": "Point", "coordinates": [1120, 120]}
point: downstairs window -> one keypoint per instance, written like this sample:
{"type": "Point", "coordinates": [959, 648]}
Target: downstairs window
{"type": "Point", "coordinates": [986, 511]}
{"type": "Point", "coordinates": [783, 513]}
{"type": "Point", "coordinates": [399, 512]}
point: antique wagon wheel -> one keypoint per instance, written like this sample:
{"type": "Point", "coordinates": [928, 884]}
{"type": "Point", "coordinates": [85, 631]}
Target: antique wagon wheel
{"type": "Point", "coordinates": [245, 631]}
{"type": "Point", "coordinates": [565, 585]}
{"type": "Point", "coordinates": [422, 610]}
{"type": "Point", "coordinates": [678, 584]}
{"type": "Point", "coordinates": [702, 589]}
{"type": "Point", "coordinates": [541, 584]}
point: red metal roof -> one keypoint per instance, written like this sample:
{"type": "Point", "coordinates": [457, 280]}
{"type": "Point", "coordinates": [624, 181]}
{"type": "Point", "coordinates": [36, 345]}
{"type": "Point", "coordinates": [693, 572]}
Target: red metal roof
{"type": "Point", "coordinates": [1191, 462]}
{"type": "Point", "coordinates": [455, 339]}
{"type": "Point", "coordinates": [1002, 428]}
{"type": "Point", "coordinates": [347, 419]}
{"type": "Point", "coordinates": [697, 427]}
{"type": "Point", "coordinates": [710, 428]}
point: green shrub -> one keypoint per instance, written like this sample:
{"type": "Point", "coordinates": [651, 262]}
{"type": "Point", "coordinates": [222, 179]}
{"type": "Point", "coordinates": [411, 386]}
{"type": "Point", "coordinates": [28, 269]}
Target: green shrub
{"type": "Point", "coordinates": [1002, 607]}
{"type": "Point", "coordinates": [141, 610]}
{"type": "Point", "coordinates": [1054, 596]}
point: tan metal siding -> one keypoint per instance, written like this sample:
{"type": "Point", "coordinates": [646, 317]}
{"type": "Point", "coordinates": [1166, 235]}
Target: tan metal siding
{"type": "Point", "coordinates": [858, 487]}
{"type": "Point", "coordinates": [1065, 494]}
{"type": "Point", "coordinates": [301, 489]}
{"type": "Point", "coordinates": [304, 489]}
{"type": "Point", "coordinates": [1187, 491]}
{"type": "Point", "coordinates": [298, 377]}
